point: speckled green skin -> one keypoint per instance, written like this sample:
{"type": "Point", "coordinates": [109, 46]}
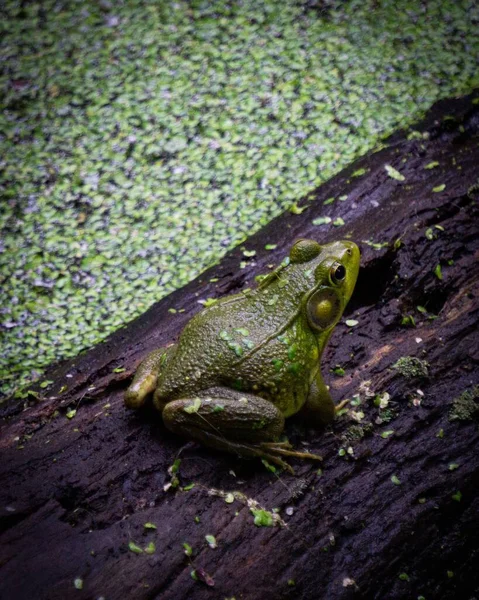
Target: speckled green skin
{"type": "Point", "coordinates": [254, 358]}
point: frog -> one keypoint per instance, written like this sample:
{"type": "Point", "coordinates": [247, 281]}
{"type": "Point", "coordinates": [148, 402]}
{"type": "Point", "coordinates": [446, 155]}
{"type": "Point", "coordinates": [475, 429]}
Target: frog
{"type": "Point", "coordinates": [248, 361]}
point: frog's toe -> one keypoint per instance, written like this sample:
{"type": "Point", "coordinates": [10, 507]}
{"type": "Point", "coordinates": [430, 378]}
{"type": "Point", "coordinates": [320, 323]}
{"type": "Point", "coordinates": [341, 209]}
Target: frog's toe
{"type": "Point", "coordinates": [144, 382]}
{"type": "Point", "coordinates": [284, 449]}
{"type": "Point", "coordinates": [133, 398]}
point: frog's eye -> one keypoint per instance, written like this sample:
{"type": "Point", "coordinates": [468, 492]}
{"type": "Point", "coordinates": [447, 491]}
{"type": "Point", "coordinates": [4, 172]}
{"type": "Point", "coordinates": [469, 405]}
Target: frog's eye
{"type": "Point", "coordinates": [323, 308]}
{"type": "Point", "coordinates": [337, 273]}
{"type": "Point", "coordinates": [304, 251]}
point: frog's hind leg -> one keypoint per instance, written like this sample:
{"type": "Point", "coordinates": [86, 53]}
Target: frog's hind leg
{"type": "Point", "coordinates": [146, 377]}
{"type": "Point", "coordinates": [242, 424]}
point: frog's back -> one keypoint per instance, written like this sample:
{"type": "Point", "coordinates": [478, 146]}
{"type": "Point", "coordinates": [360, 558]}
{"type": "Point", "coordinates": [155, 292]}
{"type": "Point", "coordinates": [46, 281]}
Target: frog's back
{"type": "Point", "coordinates": [247, 342]}
{"type": "Point", "coordinates": [211, 343]}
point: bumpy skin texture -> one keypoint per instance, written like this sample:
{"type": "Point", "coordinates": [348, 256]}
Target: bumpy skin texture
{"type": "Point", "coordinates": [253, 359]}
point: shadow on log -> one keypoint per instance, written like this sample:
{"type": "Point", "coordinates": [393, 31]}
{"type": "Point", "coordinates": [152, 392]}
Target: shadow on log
{"type": "Point", "coordinates": [394, 512]}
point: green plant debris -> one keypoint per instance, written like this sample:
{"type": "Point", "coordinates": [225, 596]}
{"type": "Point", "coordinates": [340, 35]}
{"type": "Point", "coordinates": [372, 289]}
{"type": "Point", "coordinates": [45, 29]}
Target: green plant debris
{"type": "Point", "coordinates": [457, 496]}
{"type": "Point", "coordinates": [119, 370]}
{"type": "Point", "coordinates": [408, 321]}
{"type": "Point", "coordinates": [172, 471]}
{"type": "Point", "coordinates": [438, 272]}
{"type": "Point", "coordinates": [359, 172]}
{"type": "Point", "coordinates": [175, 467]}
{"type": "Point", "coordinates": [453, 466]}
{"type": "Point", "coordinates": [354, 433]}
{"type": "Point", "coordinates": [70, 413]}
{"type": "Point", "coordinates": [322, 221]}
{"type": "Point", "coordinates": [351, 322]}
{"type": "Point", "coordinates": [141, 141]}
{"type": "Point", "coordinates": [404, 577]}
{"type": "Point", "coordinates": [208, 302]}
{"type": "Point", "coordinates": [211, 541]}
{"type": "Point", "coordinates": [339, 371]}
{"type": "Point", "coordinates": [393, 173]}
{"type": "Point", "coordinates": [270, 246]}
{"type": "Point", "coordinates": [150, 548]}
{"type": "Point", "coordinates": [411, 367]}
{"type": "Point", "coordinates": [78, 583]}
{"type": "Point", "coordinates": [376, 245]}
{"type": "Point", "coordinates": [135, 548]}
{"type": "Point", "coordinates": [193, 408]}
{"type": "Point", "coordinates": [229, 498]}
{"type": "Point", "coordinates": [338, 222]}
{"type": "Point", "coordinates": [45, 384]}
{"type": "Point", "coordinates": [465, 407]}
{"type": "Point", "coordinates": [262, 518]}
{"type": "Point", "coordinates": [395, 479]}
{"type": "Point", "coordinates": [388, 433]}
{"type": "Point", "coordinates": [439, 188]}
{"type": "Point", "coordinates": [149, 525]}
{"type": "Point", "coordinates": [297, 210]}
{"type": "Point", "coordinates": [188, 487]}
{"type": "Point", "coordinates": [431, 165]}
{"type": "Point", "coordinates": [187, 549]}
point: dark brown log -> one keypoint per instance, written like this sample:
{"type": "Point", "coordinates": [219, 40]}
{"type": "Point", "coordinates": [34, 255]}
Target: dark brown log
{"type": "Point", "coordinates": [75, 492]}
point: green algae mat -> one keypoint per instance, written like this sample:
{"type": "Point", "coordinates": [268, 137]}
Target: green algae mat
{"type": "Point", "coordinates": [141, 140]}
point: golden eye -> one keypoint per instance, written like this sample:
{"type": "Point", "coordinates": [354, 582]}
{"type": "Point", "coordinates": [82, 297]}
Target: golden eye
{"type": "Point", "coordinates": [337, 273]}
{"type": "Point", "coordinates": [323, 308]}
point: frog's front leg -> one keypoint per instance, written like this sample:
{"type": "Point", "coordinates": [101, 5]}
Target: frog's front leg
{"type": "Point", "coordinates": [319, 409]}
{"type": "Point", "coordinates": [231, 421]}
{"type": "Point", "coordinates": [146, 377]}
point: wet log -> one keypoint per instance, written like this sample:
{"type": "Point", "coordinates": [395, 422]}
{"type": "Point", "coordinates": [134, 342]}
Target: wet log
{"type": "Point", "coordinates": [393, 513]}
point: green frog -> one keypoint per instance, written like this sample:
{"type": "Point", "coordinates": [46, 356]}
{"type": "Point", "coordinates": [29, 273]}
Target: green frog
{"type": "Point", "coordinates": [250, 360]}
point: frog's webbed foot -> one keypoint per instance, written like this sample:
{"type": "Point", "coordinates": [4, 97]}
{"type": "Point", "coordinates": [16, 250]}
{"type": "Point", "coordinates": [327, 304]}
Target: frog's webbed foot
{"type": "Point", "coordinates": [145, 379]}
{"type": "Point", "coordinates": [242, 424]}
{"type": "Point", "coordinates": [266, 451]}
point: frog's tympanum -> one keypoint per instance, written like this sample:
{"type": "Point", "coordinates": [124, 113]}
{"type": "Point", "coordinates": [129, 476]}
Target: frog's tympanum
{"type": "Point", "coordinates": [245, 363]}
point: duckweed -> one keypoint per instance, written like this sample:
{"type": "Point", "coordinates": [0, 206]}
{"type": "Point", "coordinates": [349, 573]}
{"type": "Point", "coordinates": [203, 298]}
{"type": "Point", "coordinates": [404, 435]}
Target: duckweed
{"type": "Point", "coordinates": [141, 141]}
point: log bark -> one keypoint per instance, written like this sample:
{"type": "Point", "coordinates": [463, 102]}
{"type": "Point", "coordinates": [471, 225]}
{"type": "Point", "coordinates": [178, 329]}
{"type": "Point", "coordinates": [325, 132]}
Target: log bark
{"type": "Point", "coordinates": [394, 513]}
